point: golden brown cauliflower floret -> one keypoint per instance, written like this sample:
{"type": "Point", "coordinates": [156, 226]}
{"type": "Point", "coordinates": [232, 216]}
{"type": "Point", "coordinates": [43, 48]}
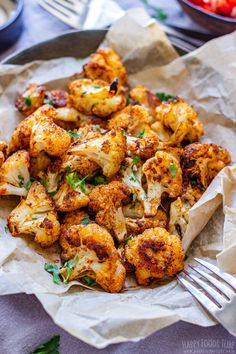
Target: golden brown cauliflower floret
{"type": "Point", "coordinates": [48, 137]}
{"type": "Point", "coordinates": [70, 196]}
{"type": "Point", "coordinates": [164, 175]}
{"type": "Point", "coordinates": [67, 117]}
{"type": "Point", "coordinates": [96, 97]}
{"type": "Point", "coordinates": [39, 164]}
{"type": "Point", "coordinates": [138, 226]}
{"type": "Point", "coordinates": [133, 119]}
{"type": "Point", "coordinates": [183, 121]}
{"type": "Point", "coordinates": [20, 138]}
{"type": "Point", "coordinates": [146, 98]}
{"type": "Point", "coordinates": [105, 65]}
{"type": "Point", "coordinates": [155, 254]}
{"type": "Point", "coordinates": [96, 256]}
{"type": "Point", "coordinates": [106, 202]}
{"type": "Point", "coordinates": [144, 147]}
{"type": "Point", "coordinates": [31, 99]}
{"type": "Point", "coordinates": [3, 151]}
{"type": "Point", "coordinates": [14, 174]}
{"type": "Point", "coordinates": [75, 217]}
{"type": "Point", "coordinates": [35, 216]}
{"type": "Point", "coordinates": [179, 213]}
{"type": "Point", "coordinates": [108, 151]}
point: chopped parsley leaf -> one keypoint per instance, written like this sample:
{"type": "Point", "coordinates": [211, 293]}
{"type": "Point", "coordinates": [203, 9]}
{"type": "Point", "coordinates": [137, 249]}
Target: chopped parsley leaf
{"type": "Point", "coordinates": [99, 180]}
{"type": "Point", "coordinates": [52, 193]}
{"type": "Point", "coordinates": [74, 182]}
{"type": "Point", "coordinates": [68, 169]}
{"type": "Point", "coordinates": [97, 86]}
{"type": "Point", "coordinates": [164, 97]}
{"type": "Point", "coordinates": [85, 220]}
{"type": "Point", "coordinates": [84, 93]}
{"type": "Point", "coordinates": [29, 183]}
{"type": "Point", "coordinates": [69, 265]}
{"type": "Point", "coordinates": [28, 101]}
{"type": "Point", "coordinates": [34, 218]}
{"type": "Point", "coordinates": [128, 239]}
{"type": "Point", "coordinates": [74, 134]}
{"type": "Point", "coordinates": [45, 183]}
{"type": "Point", "coordinates": [140, 135]}
{"type": "Point", "coordinates": [193, 182]}
{"type": "Point", "coordinates": [21, 181]}
{"type": "Point", "coordinates": [88, 281]}
{"type": "Point", "coordinates": [123, 132]}
{"type": "Point", "coordinates": [135, 160]}
{"type": "Point", "coordinates": [50, 347]}
{"type": "Point", "coordinates": [160, 14]}
{"type": "Point", "coordinates": [134, 178]}
{"type": "Point", "coordinates": [53, 269]}
{"type": "Point", "coordinates": [172, 169]}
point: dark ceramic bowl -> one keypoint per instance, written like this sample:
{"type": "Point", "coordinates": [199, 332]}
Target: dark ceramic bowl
{"type": "Point", "coordinates": [12, 28]}
{"type": "Point", "coordinates": [76, 44]}
{"type": "Point", "coordinates": [215, 23]}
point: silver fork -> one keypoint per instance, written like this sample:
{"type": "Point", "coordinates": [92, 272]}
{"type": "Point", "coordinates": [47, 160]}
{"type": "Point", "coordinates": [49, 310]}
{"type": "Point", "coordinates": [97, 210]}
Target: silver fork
{"type": "Point", "coordinates": [84, 13]}
{"type": "Point", "coordinates": [216, 291]}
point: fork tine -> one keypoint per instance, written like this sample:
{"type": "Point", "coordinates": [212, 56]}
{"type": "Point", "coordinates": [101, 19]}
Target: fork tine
{"type": "Point", "coordinates": [229, 279]}
{"type": "Point", "coordinates": [72, 21]}
{"type": "Point", "coordinates": [74, 7]}
{"type": "Point", "coordinates": [216, 297]}
{"type": "Point", "coordinates": [202, 298]}
{"type": "Point", "coordinates": [56, 5]}
{"type": "Point", "coordinates": [225, 290]}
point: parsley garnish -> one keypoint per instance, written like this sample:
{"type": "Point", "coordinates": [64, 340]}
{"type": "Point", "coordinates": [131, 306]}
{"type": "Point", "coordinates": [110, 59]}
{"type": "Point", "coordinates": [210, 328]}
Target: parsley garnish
{"type": "Point", "coordinates": [29, 183]}
{"type": "Point", "coordinates": [88, 281]}
{"type": "Point", "coordinates": [48, 101]}
{"type": "Point", "coordinates": [128, 239]}
{"type": "Point", "coordinates": [96, 127]}
{"type": "Point", "coordinates": [53, 269]}
{"type": "Point", "coordinates": [123, 132]}
{"type": "Point", "coordinates": [45, 183]}
{"type": "Point", "coordinates": [172, 169]}
{"type": "Point", "coordinates": [28, 101]}
{"type": "Point", "coordinates": [140, 135]}
{"type": "Point", "coordinates": [85, 220]}
{"type": "Point", "coordinates": [74, 134]}
{"type": "Point", "coordinates": [160, 14]}
{"type": "Point", "coordinates": [164, 96]}
{"type": "Point", "coordinates": [135, 161]}
{"type": "Point", "coordinates": [74, 182]}
{"type": "Point", "coordinates": [52, 193]}
{"type": "Point", "coordinates": [127, 100]}
{"type": "Point", "coordinates": [69, 265]}
{"type": "Point", "coordinates": [99, 180]}
{"type": "Point", "coordinates": [34, 218]}
{"type": "Point", "coordinates": [193, 182]}
{"type": "Point", "coordinates": [50, 347]}
{"type": "Point", "coordinates": [134, 178]}
{"type": "Point", "coordinates": [68, 169]}
{"type": "Point", "coordinates": [97, 86]}
{"type": "Point", "coordinates": [84, 93]}
{"type": "Point", "coordinates": [133, 198]}
{"type": "Point", "coordinates": [21, 181]}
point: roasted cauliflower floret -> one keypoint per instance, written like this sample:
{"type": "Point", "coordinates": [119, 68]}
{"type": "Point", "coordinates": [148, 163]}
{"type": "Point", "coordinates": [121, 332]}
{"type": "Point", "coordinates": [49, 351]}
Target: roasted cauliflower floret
{"type": "Point", "coordinates": [31, 99]}
{"type": "Point", "coordinates": [146, 98]}
{"type": "Point", "coordinates": [14, 174]}
{"type": "Point", "coordinates": [155, 254]}
{"type": "Point", "coordinates": [163, 133]}
{"type": "Point", "coordinates": [20, 138]}
{"type": "Point", "coordinates": [3, 151]}
{"type": "Point", "coordinates": [35, 216]}
{"type": "Point", "coordinates": [107, 151]}
{"type": "Point", "coordinates": [138, 226]}
{"type": "Point", "coordinates": [70, 195]}
{"type": "Point", "coordinates": [76, 217]}
{"type": "Point", "coordinates": [144, 147]}
{"type": "Point", "coordinates": [56, 98]}
{"type": "Point", "coordinates": [39, 164]}
{"type": "Point", "coordinates": [179, 213]}
{"type": "Point", "coordinates": [67, 117]}
{"type": "Point", "coordinates": [180, 117]}
{"type": "Point", "coordinates": [133, 210]}
{"type": "Point", "coordinates": [105, 65]}
{"type": "Point", "coordinates": [48, 137]}
{"type": "Point", "coordinates": [202, 162]}
{"type": "Point", "coordinates": [106, 202]}
{"type": "Point", "coordinates": [93, 248]}
{"type": "Point", "coordinates": [133, 119]}
{"type": "Point", "coordinates": [96, 97]}
{"type": "Point", "coordinates": [164, 175]}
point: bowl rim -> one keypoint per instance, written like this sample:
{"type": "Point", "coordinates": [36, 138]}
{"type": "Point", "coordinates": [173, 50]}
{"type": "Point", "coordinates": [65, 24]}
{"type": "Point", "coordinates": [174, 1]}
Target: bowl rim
{"type": "Point", "coordinates": [208, 14]}
{"type": "Point", "coordinates": [15, 15]}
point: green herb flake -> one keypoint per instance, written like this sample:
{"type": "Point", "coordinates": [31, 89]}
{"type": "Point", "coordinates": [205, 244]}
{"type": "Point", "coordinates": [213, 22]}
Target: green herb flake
{"type": "Point", "coordinates": [45, 183]}
{"type": "Point", "coordinates": [134, 178]}
{"type": "Point", "coordinates": [130, 237]}
{"type": "Point", "coordinates": [21, 181]}
{"type": "Point", "coordinates": [50, 347]}
{"type": "Point", "coordinates": [123, 131]}
{"type": "Point", "coordinates": [133, 198]}
{"type": "Point", "coordinates": [96, 128]}
{"type": "Point", "coordinates": [193, 182]}
{"type": "Point", "coordinates": [135, 160]}
{"type": "Point", "coordinates": [84, 93]}
{"type": "Point", "coordinates": [97, 86]}
{"type": "Point", "coordinates": [34, 218]}
{"type": "Point", "coordinates": [48, 101]}
{"type": "Point", "coordinates": [97, 180]}
{"type": "Point", "coordinates": [164, 97]}
{"type": "Point", "coordinates": [88, 281]}
{"type": "Point", "coordinates": [127, 100]}
{"type": "Point", "coordinates": [52, 193]}
{"type": "Point", "coordinates": [85, 220]}
{"type": "Point", "coordinates": [160, 14]}
{"type": "Point", "coordinates": [141, 134]}
{"type": "Point", "coordinates": [172, 169]}
{"type": "Point", "coordinates": [29, 183]}
{"type": "Point", "coordinates": [74, 134]}
{"type": "Point", "coordinates": [74, 182]}
{"type": "Point", "coordinates": [69, 265]}
{"type": "Point", "coordinates": [28, 101]}
{"type": "Point", "coordinates": [53, 269]}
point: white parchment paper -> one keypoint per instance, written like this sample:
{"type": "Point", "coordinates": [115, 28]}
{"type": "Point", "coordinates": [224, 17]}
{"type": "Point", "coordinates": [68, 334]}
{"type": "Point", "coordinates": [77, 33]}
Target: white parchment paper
{"type": "Point", "coordinates": [206, 79]}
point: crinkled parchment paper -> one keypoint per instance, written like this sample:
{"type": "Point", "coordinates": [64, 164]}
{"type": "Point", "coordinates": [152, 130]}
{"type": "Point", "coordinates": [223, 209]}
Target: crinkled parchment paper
{"type": "Point", "coordinates": [206, 78]}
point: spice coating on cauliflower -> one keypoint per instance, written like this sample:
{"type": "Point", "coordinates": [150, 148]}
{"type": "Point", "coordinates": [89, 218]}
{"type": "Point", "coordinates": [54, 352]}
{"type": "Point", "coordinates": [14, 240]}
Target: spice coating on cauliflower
{"type": "Point", "coordinates": [146, 98]}
{"type": "Point", "coordinates": [14, 174]}
{"type": "Point", "coordinates": [107, 151]}
{"type": "Point", "coordinates": [106, 202]}
{"type": "Point", "coordinates": [96, 253]}
{"type": "Point", "coordinates": [3, 151]}
{"type": "Point", "coordinates": [138, 226]}
{"type": "Point", "coordinates": [155, 254]}
{"type": "Point", "coordinates": [164, 175]}
{"type": "Point", "coordinates": [35, 216]}
{"type": "Point", "coordinates": [180, 117]}
{"type": "Point", "coordinates": [105, 65]}
{"type": "Point", "coordinates": [95, 97]}
{"type": "Point", "coordinates": [144, 147]}
{"type": "Point", "coordinates": [31, 99]}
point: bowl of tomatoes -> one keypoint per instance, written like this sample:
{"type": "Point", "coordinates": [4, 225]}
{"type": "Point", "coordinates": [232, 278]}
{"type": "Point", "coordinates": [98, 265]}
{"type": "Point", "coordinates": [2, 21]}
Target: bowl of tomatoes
{"type": "Point", "coordinates": [218, 16]}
